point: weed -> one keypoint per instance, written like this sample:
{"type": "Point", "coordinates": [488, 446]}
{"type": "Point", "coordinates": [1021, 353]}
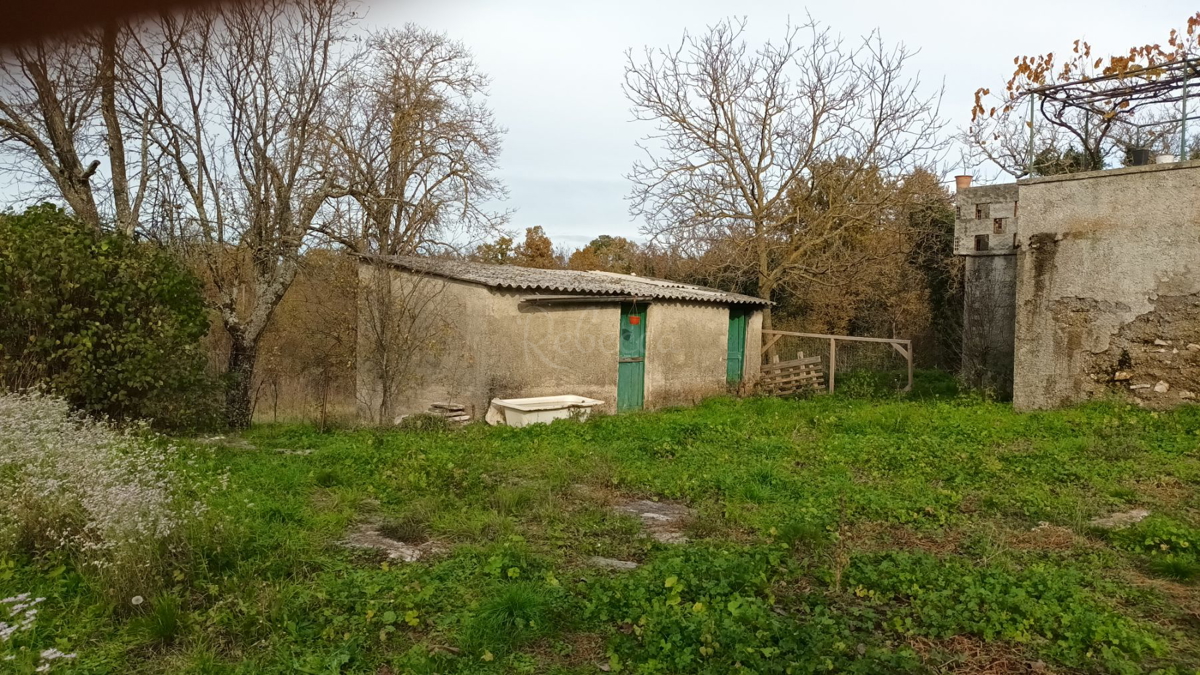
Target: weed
{"type": "Point", "coordinates": [409, 529]}
{"type": "Point", "coordinates": [513, 615]}
{"type": "Point", "coordinates": [327, 478]}
{"type": "Point", "coordinates": [1177, 568]}
{"type": "Point", "coordinates": [162, 625]}
{"type": "Point", "coordinates": [512, 500]}
{"type": "Point", "coordinates": [803, 535]}
{"type": "Point", "coordinates": [425, 423]}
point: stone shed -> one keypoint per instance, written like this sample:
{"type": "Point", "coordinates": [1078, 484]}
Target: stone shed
{"type": "Point", "coordinates": [450, 331]}
{"type": "Point", "coordinates": [1093, 290]}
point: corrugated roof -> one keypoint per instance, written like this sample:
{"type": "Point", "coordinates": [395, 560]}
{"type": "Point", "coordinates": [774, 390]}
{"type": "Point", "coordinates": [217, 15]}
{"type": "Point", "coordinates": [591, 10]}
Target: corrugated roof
{"type": "Point", "coordinates": [565, 281]}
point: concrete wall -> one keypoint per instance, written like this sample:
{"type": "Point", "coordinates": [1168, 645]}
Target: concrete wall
{"type": "Point", "coordinates": [686, 349]}
{"type": "Point", "coordinates": [985, 227]}
{"type": "Point", "coordinates": [754, 356]}
{"type": "Point", "coordinates": [989, 322]}
{"type": "Point", "coordinates": [427, 343]}
{"type": "Point", "coordinates": [1108, 287]}
{"type": "Point", "coordinates": [549, 349]}
{"type": "Point", "coordinates": [481, 343]}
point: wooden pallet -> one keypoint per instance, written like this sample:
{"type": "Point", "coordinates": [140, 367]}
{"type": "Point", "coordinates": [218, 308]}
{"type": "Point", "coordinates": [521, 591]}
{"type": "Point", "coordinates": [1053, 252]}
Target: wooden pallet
{"type": "Point", "coordinates": [782, 378]}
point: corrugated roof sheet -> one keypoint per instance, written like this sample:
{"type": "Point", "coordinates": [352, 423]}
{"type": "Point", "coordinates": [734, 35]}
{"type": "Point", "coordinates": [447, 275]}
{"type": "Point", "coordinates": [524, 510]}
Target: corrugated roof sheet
{"type": "Point", "coordinates": [565, 281]}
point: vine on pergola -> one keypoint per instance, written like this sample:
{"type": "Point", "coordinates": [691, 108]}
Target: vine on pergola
{"type": "Point", "coordinates": [1098, 104]}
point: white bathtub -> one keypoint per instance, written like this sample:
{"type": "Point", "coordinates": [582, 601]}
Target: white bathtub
{"type": "Point", "coordinates": [518, 412]}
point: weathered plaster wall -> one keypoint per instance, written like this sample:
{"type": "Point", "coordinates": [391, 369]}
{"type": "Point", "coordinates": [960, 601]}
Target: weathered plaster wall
{"type": "Point", "coordinates": [550, 349]}
{"type": "Point", "coordinates": [754, 356]}
{"type": "Point", "coordinates": [985, 227]}
{"type": "Point", "coordinates": [1108, 290]}
{"type": "Point", "coordinates": [989, 322]}
{"type": "Point", "coordinates": [686, 349]}
{"type": "Point", "coordinates": [987, 211]}
{"type": "Point", "coordinates": [428, 343]}
{"type": "Point", "coordinates": [477, 343]}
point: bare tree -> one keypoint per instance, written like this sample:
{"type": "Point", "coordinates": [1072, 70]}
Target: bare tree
{"type": "Point", "coordinates": [242, 99]}
{"type": "Point", "coordinates": [416, 145]}
{"type": "Point", "coordinates": [63, 100]}
{"type": "Point", "coordinates": [400, 329]}
{"type": "Point", "coordinates": [748, 143]}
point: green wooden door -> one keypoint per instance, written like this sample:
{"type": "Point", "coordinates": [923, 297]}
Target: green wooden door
{"type": "Point", "coordinates": [631, 368]}
{"type": "Point", "coordinates": [736, 352]}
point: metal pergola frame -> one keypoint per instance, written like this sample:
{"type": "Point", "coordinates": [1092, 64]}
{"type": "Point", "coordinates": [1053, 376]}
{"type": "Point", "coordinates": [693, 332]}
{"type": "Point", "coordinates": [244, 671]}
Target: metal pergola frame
{"type": "Point", "coordinates": [1165, 83]}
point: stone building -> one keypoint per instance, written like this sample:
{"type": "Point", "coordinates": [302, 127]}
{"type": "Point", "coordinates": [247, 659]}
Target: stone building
{"type": "Point", "coordinates": [454, 331]}
{"type": "Point", "coordinates": [1107, 292]}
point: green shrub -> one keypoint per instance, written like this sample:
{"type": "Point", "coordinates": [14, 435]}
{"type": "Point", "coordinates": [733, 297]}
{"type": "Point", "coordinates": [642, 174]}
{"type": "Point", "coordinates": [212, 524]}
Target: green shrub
{"type": "Point", "coordinates": [110, 324]}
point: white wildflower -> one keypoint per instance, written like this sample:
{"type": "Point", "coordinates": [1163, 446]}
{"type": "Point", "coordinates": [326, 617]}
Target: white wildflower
{"type": "Point", "coordinates": [76, 483]}
{"type": "Point", "coordinates": [137, 600]}
{"type": "Point", "coordinates": [52, 654]}
{"type": "Point", "coordinates": [21, 613]}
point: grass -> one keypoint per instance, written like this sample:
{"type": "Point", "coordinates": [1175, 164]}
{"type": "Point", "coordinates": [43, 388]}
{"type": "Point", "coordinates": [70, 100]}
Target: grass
{"type": "Point", "coordinates": [933, 532]}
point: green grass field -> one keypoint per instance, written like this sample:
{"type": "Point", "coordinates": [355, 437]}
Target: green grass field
{"type": "Point", "coordinates": [871, 535]}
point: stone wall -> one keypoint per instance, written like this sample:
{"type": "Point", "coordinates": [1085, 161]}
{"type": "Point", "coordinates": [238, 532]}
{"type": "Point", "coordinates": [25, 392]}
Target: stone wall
{"type": "Point", "coordinates": [1108, 287]}
{"type": "Point", "coordinates": [985, 230]}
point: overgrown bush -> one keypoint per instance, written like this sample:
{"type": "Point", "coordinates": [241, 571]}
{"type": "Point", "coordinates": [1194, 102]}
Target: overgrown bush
{"type": "Point", "coordinates": [73, 485]}
{"type": "Point", "coordinates": [110, 324]}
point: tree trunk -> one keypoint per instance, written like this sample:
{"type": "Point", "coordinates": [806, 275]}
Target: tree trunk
{"type": "Point", "coordinates": [112, 127]}
{"type": "Point", "coordinates": [243, 353]}
{"type": "Point", "coordinates": [766, 286]}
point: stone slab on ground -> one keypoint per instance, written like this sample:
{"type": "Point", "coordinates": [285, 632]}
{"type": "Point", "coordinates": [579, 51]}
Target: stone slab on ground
{"type": "Point", "coordinates": [664, 521]}
{"type": "Point", "coordinates": [611, 563]}
{"type": "Point", "coordinates": [1120, 521]}
{"type": "Point", "coordinates": [366, 536]}
{"type": "Point", "coordinates": [224, 442]}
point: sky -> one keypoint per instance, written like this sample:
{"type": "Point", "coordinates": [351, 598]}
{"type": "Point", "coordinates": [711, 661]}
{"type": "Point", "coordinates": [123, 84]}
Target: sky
{"type": "Point", "coordinates": [556, 69]}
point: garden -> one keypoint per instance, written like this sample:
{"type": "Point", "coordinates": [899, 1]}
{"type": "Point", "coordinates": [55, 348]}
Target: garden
{"type": "Point", "coordinates": [934, 532]}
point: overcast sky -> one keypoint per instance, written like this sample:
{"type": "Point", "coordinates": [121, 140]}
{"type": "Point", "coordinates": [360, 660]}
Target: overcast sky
{"type": "Point", "coordinates": [556, 68]}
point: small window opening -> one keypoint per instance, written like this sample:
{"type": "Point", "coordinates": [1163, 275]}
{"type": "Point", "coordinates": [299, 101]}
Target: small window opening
{"type": "Point", "coordinates": [981, 242]}
{"type": "Point", "coordinates": [997, 226]}
{"type": "Point", "coordinates": [979, 212]}
{"type": "Point", "coordinates": [958, 211]}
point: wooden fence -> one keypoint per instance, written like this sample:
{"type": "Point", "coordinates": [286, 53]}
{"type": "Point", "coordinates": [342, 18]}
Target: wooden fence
{"type": "Point", "coordinates": [770, 337]}
{"type": "Point", "coordinates": [780, 378]}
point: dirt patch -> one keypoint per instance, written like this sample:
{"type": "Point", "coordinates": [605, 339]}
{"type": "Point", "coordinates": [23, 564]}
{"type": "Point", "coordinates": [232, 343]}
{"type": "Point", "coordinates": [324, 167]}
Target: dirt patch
{"type": "Point", "coordinates": [1166, 491]}
{"type": "Point", "coordinates": [880, 537]}
{"type": "Point", "coordinates": [611, 563]}
{"type": "Point", "coordinates": [583, 650]}
{"type": "Point", "coordinates": [971, 656]}
{"type": "Point", "coordinates": [664, 521]}
{"type": "Point", "coordinates": [1045, 537]}
{"type": "Point", "coordinates": [367, 536]}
